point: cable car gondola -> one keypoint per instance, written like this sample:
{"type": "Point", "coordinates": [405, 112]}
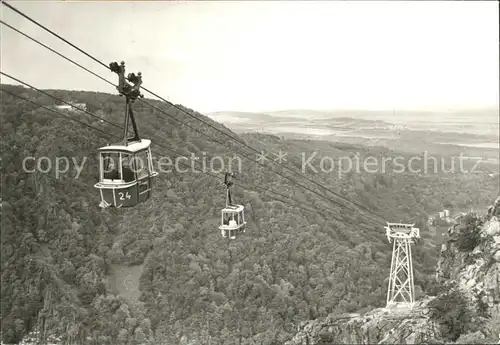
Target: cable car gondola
{"type": "Point", "coordinates": [232, 216]}
{"type": "Point", "coordinates": [126, 171]}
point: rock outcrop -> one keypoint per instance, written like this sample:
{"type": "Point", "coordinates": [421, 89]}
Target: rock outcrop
{"type": "Point", "coordinates": [469, 264]}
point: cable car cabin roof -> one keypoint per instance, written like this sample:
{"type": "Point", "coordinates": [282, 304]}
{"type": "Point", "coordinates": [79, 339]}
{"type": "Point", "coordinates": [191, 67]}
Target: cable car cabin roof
{"type": "Point", "coordinates": [233, 208]}
{"type": "Point", "coordinates": [133, 147]}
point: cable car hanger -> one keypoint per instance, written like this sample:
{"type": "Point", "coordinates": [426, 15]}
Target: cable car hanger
{"type": "Point", "coordinates": [228, 183]}
{"type": "Point", "coordinates": [131, 93]}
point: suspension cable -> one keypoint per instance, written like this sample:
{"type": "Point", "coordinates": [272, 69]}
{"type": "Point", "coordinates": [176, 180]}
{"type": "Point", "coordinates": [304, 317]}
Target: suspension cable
{"type": "Point", "coordinates": [154, 107]}
{"type": "Point", "coordinates": [167, 114]}
{"type": "Point", "coordinates": [195, 117]}
{"type": "Point", "coordinates": [247, 186]}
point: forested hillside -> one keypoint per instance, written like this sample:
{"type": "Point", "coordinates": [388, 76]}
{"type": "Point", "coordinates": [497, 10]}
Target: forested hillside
{"type": "Point", "coordinates": [64, 259]}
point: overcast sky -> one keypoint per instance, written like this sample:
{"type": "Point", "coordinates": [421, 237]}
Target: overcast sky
{"type": "Point", "coordinates": [263, 56]}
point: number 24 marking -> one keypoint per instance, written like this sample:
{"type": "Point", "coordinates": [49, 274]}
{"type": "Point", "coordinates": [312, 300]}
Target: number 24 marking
{"type": "Point", "coordinates": [123, 196]}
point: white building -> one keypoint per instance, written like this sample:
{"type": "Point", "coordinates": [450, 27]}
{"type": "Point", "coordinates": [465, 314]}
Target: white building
{"type": "Point", "coordinates": [71, 108]}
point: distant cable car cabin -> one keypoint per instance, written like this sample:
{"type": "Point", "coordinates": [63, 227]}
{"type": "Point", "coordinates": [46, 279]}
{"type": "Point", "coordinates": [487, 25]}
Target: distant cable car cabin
{"type": "Point", "coordinates": [126, 171]}
{"type": "Point", "coordinates": [232, 216]}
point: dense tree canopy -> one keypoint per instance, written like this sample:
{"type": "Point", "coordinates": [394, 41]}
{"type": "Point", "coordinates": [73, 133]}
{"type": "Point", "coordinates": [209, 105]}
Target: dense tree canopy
{"type": "Point", "coordinates": [60, 251]}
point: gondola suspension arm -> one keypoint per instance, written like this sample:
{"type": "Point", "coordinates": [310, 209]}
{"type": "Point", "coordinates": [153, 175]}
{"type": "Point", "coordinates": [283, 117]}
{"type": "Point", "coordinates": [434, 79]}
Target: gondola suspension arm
{"type": "Point", "coordinates": [131, 93]}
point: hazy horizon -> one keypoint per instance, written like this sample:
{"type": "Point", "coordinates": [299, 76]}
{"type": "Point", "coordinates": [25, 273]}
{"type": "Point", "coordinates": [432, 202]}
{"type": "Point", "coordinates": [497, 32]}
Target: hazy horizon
{"type": "Point", "coordinates": [481, 121]}
{"type": "Point", "coordinates": [493, 107]}
{"type": "Point", "coordinates": [269, 56]}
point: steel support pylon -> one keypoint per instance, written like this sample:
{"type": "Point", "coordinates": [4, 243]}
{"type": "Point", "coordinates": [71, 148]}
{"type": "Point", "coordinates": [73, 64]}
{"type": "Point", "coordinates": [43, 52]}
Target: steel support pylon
{"type": "Point", "coordinates": [401, 289]}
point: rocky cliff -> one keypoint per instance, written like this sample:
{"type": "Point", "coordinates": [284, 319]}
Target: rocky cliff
{"type": "Point", "coordinates": [465, 308]}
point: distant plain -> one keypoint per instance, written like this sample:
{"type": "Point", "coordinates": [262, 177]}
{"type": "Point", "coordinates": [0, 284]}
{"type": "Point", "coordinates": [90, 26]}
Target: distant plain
{"type": "Point", "coordinates": [472, 133]}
